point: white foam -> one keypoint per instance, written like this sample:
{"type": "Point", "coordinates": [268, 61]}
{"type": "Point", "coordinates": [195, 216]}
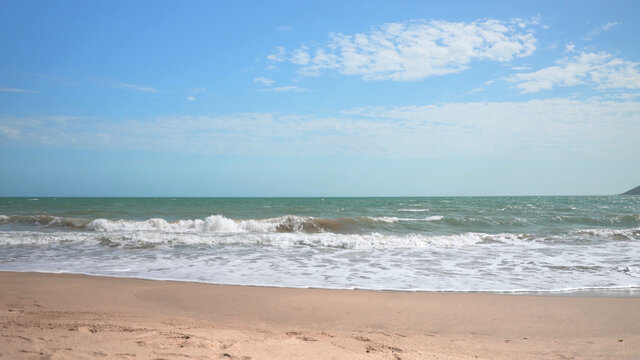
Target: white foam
{"type": "Point", "coordinates": [393, 219]}
{"type": "Point", "coordinates": [412, 210]}
{"type": "Point", "coordinates": [445, 263]}
{"type": "Point", "coordinates": [608, 233]}
{"type": "Point", "coordinates": [457, 262]}
{"type": "Point", "coordinates": [434, 218]}
{"type": "Point", "coordinates": [631, 270]}
{"type": "Point", "coordinates": [387, 219]}
{"type": "Point", "coordinates": [320, 240]}
{"type": "Point", "coordinates": [213, 223]}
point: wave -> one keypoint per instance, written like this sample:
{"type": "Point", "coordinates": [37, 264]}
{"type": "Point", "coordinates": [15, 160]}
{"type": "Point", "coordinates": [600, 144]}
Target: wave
{"type": "Point", "coordinates": [289, 230]}
{"type": "Point", "coordinates": [215, 223]}
{"type": "Point", "coordinates": [221, 224]}
{"type": "Point", "coordinates": [615, 234]}
{"type": "Point", "coordinates": [309, 224]}
{"type": "Point", "coordinates": [142, 239]}
{"type": "Point", "coordinates": [629, 219]}
{"type": "Point", "coordinates": [45, 220]}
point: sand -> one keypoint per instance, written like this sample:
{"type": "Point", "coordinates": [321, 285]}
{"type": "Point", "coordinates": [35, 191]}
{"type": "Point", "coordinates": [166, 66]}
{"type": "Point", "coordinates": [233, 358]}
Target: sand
{"type": "Point", "coordinates": [63, 316]}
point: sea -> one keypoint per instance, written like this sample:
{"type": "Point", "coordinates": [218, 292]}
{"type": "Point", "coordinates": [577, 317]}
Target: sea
{"type": "Point", "coordinates": [529, 244]}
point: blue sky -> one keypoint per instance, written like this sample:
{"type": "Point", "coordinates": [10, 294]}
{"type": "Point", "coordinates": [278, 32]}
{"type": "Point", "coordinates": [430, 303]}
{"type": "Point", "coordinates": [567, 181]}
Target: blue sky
{"type": "Point", "coordinates": [338, 98]}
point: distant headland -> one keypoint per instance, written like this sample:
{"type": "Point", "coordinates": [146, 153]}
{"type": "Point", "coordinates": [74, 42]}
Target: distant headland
{"type": "Point", "coordinates": [634, 191]}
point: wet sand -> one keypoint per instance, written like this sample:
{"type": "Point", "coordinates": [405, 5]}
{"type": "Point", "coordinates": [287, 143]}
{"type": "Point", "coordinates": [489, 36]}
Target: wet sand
{"type": "Point", "coordinates": [62, 316]}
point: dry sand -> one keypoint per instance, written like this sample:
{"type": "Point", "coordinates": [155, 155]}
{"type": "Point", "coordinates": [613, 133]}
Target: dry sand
{"type": "Point", "coordinates": [53, 316]}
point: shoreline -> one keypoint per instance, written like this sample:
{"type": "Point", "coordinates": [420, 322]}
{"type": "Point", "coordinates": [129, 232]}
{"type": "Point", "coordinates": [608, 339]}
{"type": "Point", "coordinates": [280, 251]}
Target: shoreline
{"type": "Point", "coordinates": [631, 291]}
{"type": "Point", "coordinates": [71, 316]}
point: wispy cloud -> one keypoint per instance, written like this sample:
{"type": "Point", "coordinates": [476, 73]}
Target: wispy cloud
{"type": "Point", "coordinates": [475, 90]}
{"type": "Point", "coordinates": [283, 28]}
{"type": "Point", "coordinates": [278, 54]}
{"type": "Point", "coordinates": [289, 88]}
{"type": "Point", "coordinates": [10, 133]}
{"type": "Point", "coordinates": [279, 89]}
{"type": "Point", "coordinates": [263, 81]}
{"type": "Point", "coordinates": [194, 92]}
{"type": "Point", "coordinates": [626, 96]}
{"type": "Point", "coordinates": [515, 130]}
{"type": "Point", "coordinates": [600, 29]}
{"type": "Point", "coordinates": [570, 48]}
{"type": "Point", "coordinates": [480, 88]}
{"type": "Point", "coordinates": [15, 90]}
{"type": "Point", "coordinates": [134, 87]}
{"type": "Point", "coordinates": [598, 69]}
{"type": "Point", "coordinates": [413, 50]}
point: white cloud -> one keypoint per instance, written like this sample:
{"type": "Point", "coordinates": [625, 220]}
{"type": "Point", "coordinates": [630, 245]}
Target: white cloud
{"type": "Point", "coordinates": [570, 48]}
{"type": "Point", "coordinates": [15, 90]}
{"type": "Point", "coordinates": [278, 55]}
{"type": "Point", "coordinates": [600, 29]}
{"type": "Point", "coordinates": [263, 81]}
{"type": "Point", "coordinates": [414, 50]}
{"type": "Point", "coordinates": [480, 88]}
{"type": "Point", "coordinates": [609, 25]}
{"type": "Point", "coordinates": [283, 28]}
{"type": "Point", "coordinates": [600, 70]}
{"type": "Point", "coordinates": [536, 128]}
{"type": "Point", "coordinates": [558, 128]}
{"type": "Point", "coordinates": [626, 96]}
{"type": "Point", "coordinates": [135, 87]}
{"type": "Point", "coordinates": [10, 132]}
{"type": "Point", "coordinates": [475, 90]}
{"type": "Point", "coordinates": [289, 88]}
{"type": "Point", "coordinates": [301, 56]}
{"type": "Point", "coordinates": [193, 92]}
{"type": "Point", "coordinates": [279, 89]}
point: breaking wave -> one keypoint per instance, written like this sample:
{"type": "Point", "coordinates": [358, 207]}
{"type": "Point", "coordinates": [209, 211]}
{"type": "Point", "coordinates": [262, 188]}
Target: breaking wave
{"type": "Point", "coordinates": [393, 219]}
{"type": "Point", "coordinates": [146, 239]}
{"type": "Point", "coordinates": [365, 232]}
{"type": "Point", "coordinates": [214, 223]}
{"type": "Point", "coordinates": [615, 234]}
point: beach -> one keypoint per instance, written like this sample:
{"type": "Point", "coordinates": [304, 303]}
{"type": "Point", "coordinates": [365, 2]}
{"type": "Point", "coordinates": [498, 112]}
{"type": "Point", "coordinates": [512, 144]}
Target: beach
{"type": "Point", "coordinates": [66, 316]}
{"type": "Point", "coordinates": [319, 180]}
{"type": "Point", "coordinates": [320, 278]}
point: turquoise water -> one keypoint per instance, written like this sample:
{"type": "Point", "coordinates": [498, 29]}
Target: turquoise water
{"type": "Point", "coordinates": [545, 244]}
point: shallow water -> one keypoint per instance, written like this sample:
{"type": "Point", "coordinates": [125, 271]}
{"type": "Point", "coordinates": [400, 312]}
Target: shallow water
{"type": "Point", "coordinates": [496, 244]}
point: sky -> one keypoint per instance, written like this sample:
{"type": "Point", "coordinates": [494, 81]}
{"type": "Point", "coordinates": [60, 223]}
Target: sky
{"type": "Point", "coordinates": [331, 98]}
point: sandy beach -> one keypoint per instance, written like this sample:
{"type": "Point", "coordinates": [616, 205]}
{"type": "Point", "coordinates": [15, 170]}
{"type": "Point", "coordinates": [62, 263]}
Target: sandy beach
{"type": "Point", "coordinates": [62, 316]}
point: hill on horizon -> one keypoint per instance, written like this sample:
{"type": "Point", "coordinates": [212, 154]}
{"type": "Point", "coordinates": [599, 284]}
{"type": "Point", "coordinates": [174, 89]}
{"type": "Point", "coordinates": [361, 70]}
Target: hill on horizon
{"type": "Point", "coordinates": [634, 191]}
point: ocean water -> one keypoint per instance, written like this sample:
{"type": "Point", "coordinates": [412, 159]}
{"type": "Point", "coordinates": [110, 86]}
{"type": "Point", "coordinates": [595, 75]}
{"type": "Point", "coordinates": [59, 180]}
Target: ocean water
{"type": "Point", "coordinates": [493, 244]}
